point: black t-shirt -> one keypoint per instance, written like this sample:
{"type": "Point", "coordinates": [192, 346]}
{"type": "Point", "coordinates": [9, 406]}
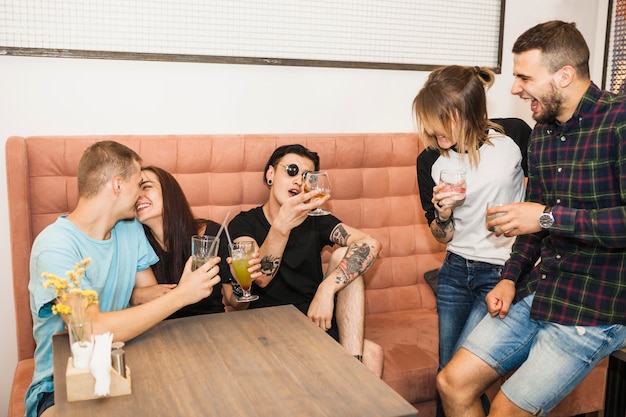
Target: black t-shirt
{"type": "Point", "coordinates": [300, 271]}
{"type": "Point", "coordinates": [213, 303]}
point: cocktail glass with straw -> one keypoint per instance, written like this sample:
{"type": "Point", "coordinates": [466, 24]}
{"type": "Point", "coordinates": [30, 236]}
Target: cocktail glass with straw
{"type": "Point", "coordinates": [236, 287]}
{"type": "Point", "coordinates": [240, 254]}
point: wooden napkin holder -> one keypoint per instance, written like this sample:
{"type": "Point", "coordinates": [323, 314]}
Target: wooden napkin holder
{"type": "Point", "coordinates": [79, 383]}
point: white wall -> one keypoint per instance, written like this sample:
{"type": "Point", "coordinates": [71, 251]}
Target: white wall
{"type": "Point", "coordinates": [55, 96]}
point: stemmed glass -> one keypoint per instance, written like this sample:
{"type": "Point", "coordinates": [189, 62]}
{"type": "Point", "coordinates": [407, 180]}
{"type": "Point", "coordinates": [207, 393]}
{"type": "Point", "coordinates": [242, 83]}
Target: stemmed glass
{"type": "Point", "coordinates": [241, 253]}
{"type": "Point", "coordinates": [317, 180]}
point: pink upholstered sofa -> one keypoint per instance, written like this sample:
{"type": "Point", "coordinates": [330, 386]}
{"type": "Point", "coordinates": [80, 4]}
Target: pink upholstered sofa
{"type": "Point", "coordinates": [374, 188]}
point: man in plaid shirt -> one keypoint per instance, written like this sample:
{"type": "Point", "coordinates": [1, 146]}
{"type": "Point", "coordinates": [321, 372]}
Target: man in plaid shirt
{"type": "Point", "coordinates": [560, 307]}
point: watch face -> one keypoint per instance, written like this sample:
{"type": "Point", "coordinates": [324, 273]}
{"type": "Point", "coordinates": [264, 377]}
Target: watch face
{"type": "Point", "coordinates": [546, 220]}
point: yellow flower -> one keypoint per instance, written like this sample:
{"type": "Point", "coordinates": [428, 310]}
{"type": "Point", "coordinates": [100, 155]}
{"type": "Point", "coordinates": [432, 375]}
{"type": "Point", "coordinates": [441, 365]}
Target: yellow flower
{"type": "Point", "coordinates": [61, 309]}
{"type": "Point", "coordinates": [76, 305]}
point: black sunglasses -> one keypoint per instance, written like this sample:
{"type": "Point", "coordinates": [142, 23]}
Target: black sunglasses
{"type": "Point", "coordinates": [293, 170]}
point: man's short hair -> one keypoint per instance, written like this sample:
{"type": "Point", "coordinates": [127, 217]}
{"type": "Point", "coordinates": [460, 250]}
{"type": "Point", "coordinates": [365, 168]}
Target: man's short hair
{"type": "Point", "coordinates": [101, 162]}
{"type": "Point", "coordinates": [560, 43]}
{"type": "Point", "coordinates": [296, 149]}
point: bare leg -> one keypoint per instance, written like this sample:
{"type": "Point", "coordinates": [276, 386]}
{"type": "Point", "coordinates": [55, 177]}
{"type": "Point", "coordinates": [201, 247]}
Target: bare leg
{"type": "Point", "coordinates": [350, 315]}
{"type": "Point", "coordinates": [502, 406]}
{"type": "Point", "coordinates": [373, 357]}
{"type": "Point", "coordinates": [461, 383]}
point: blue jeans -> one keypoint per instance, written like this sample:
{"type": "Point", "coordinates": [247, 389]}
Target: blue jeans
{"type": "Point", "coordinates": [461, 290]}
{"type": "Point", "coordinates": [547, 355]}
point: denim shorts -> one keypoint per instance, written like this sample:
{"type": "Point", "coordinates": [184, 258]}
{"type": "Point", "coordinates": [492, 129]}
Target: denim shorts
{"type": "Point", "coordinates": [549, 359]}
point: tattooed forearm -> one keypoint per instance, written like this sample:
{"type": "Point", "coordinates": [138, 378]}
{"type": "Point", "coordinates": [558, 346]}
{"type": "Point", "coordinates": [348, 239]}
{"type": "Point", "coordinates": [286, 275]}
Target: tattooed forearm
{"type": "Point", "coordinates": [440, 231]}
{"type": "Point", "coordinates": [357, 260]}
{"type": "Point", "coordinates": [269, 265]}
{"type": "Point", "coordinates": [339, 235]}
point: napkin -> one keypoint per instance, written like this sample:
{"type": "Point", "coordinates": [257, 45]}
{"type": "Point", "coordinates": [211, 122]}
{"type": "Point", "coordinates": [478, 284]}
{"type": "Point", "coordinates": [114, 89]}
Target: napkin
{"type": "Point", "coordinates": [101, 364]}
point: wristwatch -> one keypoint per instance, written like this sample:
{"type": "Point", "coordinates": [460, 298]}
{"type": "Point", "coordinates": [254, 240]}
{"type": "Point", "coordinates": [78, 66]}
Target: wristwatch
{"type": "Point", "coordinates": [546, 220]}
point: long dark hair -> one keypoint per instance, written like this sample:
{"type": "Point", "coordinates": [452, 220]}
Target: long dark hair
{"type": "Point", "coordinates": [179, 224]}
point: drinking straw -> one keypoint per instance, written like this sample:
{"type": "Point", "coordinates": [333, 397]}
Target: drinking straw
{"type": "Point", "coordinates": [230, 242]}
{"type": "Point", "coordinates": [219, 232]}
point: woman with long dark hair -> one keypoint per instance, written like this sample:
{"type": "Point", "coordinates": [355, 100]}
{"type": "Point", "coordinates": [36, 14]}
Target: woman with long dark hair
{"type": "Point", "coordinates": [169, 224]}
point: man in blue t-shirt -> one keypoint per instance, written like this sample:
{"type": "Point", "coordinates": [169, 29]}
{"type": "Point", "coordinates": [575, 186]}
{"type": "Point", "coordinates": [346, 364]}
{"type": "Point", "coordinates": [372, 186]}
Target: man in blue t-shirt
{"type": "Point", "coordinates": [102, 227]}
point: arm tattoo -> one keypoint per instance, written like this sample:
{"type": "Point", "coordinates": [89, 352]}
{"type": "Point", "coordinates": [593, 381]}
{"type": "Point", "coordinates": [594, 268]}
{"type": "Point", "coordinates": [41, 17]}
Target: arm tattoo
{"type": "Point", "coordinates": [269, 265]}
{"type": "Point", "coordinates": [339, 235]}
{"type": "Point", "coordinates": [440, 230]}
{"type": "Point", "coordinates": [358, 259]}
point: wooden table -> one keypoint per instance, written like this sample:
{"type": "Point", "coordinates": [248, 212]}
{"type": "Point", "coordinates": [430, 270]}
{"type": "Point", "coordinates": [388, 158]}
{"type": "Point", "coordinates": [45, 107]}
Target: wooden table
{"type": "Point", "coordinates": [615, 401]}
{"type": "Point", "coordinates": [262, 362]}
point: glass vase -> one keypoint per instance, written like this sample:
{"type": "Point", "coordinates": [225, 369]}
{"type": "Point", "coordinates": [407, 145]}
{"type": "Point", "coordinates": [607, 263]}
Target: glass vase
{"type": "Point", "coordinates": [81, 342]}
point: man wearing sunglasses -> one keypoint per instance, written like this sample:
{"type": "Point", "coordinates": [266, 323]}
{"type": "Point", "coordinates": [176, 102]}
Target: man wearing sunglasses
{"type": "Point", "coordinates": [290, 245]}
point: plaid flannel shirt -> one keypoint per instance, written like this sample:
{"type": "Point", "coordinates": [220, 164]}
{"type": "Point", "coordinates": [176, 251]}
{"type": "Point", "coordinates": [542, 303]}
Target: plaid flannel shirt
{"type": "Point", "coordinates": [579, 168]}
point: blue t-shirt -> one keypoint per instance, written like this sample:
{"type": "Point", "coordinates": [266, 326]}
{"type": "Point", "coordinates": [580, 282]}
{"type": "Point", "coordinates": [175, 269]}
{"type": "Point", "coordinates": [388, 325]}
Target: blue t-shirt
{"type": "Point", "coordinates": [111, 273]}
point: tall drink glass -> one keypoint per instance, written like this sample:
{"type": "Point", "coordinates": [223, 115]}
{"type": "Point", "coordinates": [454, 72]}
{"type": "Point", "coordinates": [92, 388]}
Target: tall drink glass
{"type": "Point", "coordinates": [203, 248]}
{"type": "Point", "coordinates": [241, 253]}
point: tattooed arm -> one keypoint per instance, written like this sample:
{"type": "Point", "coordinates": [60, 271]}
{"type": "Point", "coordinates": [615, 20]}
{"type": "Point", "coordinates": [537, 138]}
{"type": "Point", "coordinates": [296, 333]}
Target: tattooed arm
{"type": "Point", "coordinates": [270, 254]}
{"type": "Point", "coordinates": [443, 231]}
{"type": "Point", "coordinates": [361, 254]}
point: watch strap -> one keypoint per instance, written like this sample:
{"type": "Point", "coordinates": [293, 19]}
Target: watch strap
{"type": "Point", "coordinates": [442, 222]}
{"type": "Point", "coordinates": [546, 220]}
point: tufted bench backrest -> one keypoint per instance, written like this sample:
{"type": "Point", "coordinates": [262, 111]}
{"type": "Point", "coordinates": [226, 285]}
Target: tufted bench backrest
{"type": "Point", "coordinates": [374, 188]}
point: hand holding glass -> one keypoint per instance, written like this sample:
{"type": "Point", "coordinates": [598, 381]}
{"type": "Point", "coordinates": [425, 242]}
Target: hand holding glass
{"type": "Point", "coordinates": [319, 181]}
{"type": "Point", "coordinates": [203, 248]}
{"type": "Point", "coordinates": [493, 216]}
{"type": "Point", "coordinates": [454, 181]}
{"type": "Point", "coordinates": [240, 255]}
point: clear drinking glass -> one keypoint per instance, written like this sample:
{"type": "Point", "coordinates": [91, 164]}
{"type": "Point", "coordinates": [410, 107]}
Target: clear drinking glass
{"type": "Point", "coordinates": [203, 248]}
{"type": "Point", "coordinates": [241, 253]}
{"type": "Point", "coordinates": [317, 180]}
{"type": "Point", "coordinates": [455, 183]}
{"type": "Point", "coordinates": [493, 216]}
{"type": "Point", "coordinates": [81, 342]}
